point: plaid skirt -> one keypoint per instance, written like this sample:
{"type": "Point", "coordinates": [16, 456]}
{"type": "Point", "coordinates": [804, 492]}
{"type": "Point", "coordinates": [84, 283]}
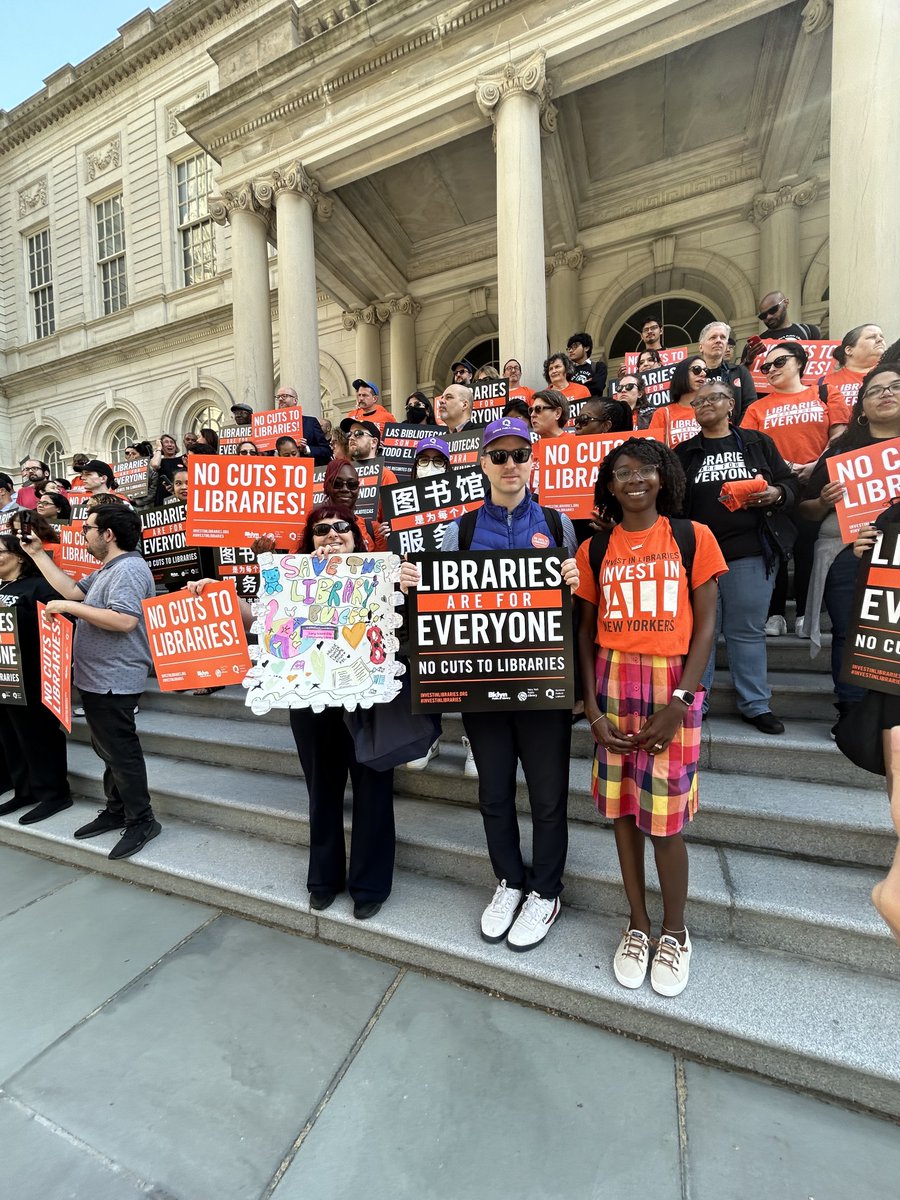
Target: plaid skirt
{"type": "Point", "coordinates": [658, 790]}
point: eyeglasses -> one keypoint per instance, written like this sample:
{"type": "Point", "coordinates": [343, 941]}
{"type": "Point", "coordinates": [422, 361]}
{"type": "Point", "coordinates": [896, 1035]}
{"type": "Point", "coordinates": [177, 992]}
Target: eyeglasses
{"type": "Point", "coordinates": [769, 312]}
{"type": "Point", "coordinates": [710, 398]}
{"type": "Point", "coordinates": [325, 527]}
{"type": "Point", "coordinates": [500, 457]}
{"type": "Point", "coordinates": [878, 392]}
{"type": "Point", "coordinates": [345, 485]}
{"type": "Point", "coordinates": [358, 433]}
{"type": "Point", "coordinates": [697, 370]}
{"type": "Point", "coordinates": [432, 460]}
{"type": "Point", "coordinates": [539, 408]}
{"type": "Point", "coordinates": [777, 363]}
{"type": "Point", "coordinates": [583, 420]}
{"type": "Point", "coordinates": [626, 474]}
{"type": "Point", "coordinates": [628, 387]}
{"type": "Point", "coordinates": [85, 529]}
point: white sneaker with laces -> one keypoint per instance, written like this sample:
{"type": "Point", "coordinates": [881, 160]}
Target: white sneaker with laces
{"type": "Point", "coordinates": [671, 965]}
{"type": "Point", "coordinates": [631, 959]}
{"type": "Point", "coordinates": [470, 770]}
{"type": "Point", "coordinates": [419, 764]}
{"type": "Point", "coordinates": [776, 626]}
{"type": "Point", "coordinates": [533, 922]}
{"type": "Point", "coordinates": [800, 630]}
{"type": "Point", "coordinates": [500, 913]}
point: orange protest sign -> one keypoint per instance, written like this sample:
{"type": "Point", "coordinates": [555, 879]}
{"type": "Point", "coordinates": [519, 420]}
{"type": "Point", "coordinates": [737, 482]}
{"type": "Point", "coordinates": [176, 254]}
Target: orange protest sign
{"type": "Point", "coordinates": [197, 641]}
{"type": "Point", "coordinates": [56, 665]}
{"type": "Point", "coordinates": [232, 500]}
{"type": "Point", "coordinates": [275, 423]}
{"type": "Point", "coordinates": [818, 366]}
{"type": "Point", "coordinates": [567, 469]}
{"type": "Point", "coordinates": [871, 480]}
{"type": "Point", "coordinates": [74, 557]}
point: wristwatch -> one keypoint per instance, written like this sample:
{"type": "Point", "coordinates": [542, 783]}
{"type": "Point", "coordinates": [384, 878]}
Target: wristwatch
{"type": "Point", "coordinates": [686, 698]}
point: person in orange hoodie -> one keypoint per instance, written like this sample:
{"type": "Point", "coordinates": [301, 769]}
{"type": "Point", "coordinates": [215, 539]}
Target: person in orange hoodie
{"type": "Point", "coordinates": [367, 405]}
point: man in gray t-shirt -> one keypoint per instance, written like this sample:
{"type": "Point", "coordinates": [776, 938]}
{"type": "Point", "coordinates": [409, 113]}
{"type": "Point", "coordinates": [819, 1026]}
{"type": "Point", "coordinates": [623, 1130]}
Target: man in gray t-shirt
{"type": "Point", "coordinates": [111, 659]}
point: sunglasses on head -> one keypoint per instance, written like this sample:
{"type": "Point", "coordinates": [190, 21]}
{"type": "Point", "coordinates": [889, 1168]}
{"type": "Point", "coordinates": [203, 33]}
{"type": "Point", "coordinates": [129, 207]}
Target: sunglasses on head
{"type": "Point", "coordinates": [500, 457]}
{"type": "Point", "coordinates": [347, 485]}
{"type": "Point", "coordinates": [324, 528]}
{"type": "Point", "coordinates": [769, 312]}
{"type": "Point", "coordinates": [776, 363]}
{"type": "Point", "coordinates": [697, 370]}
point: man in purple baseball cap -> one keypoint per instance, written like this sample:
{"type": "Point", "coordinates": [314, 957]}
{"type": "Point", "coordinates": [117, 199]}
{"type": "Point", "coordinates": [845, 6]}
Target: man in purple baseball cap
{"type": "Point", "coordinates": [432, 457]}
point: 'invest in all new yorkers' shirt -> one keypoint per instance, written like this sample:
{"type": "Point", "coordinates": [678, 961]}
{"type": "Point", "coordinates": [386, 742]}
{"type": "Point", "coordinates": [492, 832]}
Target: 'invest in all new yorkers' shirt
{"type": "Point", "coordinates": [104, 661]}
{"type": "Point", "coordinates": [797, 422]}
{"type": "Point", "coordinates": [642, 600]}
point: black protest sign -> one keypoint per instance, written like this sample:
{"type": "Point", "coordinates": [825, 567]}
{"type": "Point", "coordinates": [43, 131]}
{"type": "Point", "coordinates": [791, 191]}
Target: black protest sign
{"type": "Point", "coordinates": [491, 630]}
{"type": "Point", "coordinates": [231, 437]}
{"type": "Point", "coordinates": [12, 684]}
{"type": "Point", "coordinates": [419, 511]}
{"type": "Point", "coordinates": [397, 445]}
{"type": "Point", "coordinates": [238, 563]}
{"type": "Point", "coordinates": [164, 544]}
{"type": "Point", "coordinates": [368, 496]}
{"type": "Point", "coordinates": [872, 649]}
{"type": "Point", "coordinates": [465, 447]}
{"type": "Point", "coordinates": [131, 477]}
{"type": "Point", "coordinates": [489, 398]}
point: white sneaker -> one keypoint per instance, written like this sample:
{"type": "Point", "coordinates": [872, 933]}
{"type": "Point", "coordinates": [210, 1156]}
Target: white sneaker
{"type": "Point", "coordinates": [671, 965]}
{"type": "Point", "coordinates": [419, 764]}
{"type": "Point", "coordinates": [631, 959]}
{"type": "Point", "coordinates": [77, 712]}
{"type": "Point", "coordinates": [470, 770]}
{"type": "Point", "coordinates": [800, 629]}
{"type": "Point", "coordinates": [500, 913]}
{"type": "Point", "coordinates": [533, 922]}
{"type": "Point", "coordinates": [776, 626]}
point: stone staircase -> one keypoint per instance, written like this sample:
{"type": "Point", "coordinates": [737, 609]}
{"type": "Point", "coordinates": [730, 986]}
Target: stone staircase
{"type": "Point", "coordinates": [794, 977]}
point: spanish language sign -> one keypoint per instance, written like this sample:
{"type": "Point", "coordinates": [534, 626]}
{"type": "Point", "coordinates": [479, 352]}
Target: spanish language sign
{"type": "Point", "coordinates": [131, 477]}
{"type": "Point", "coordinates": [74, 557]}
{"type": "Point", "coordinates": [656, 381]}
{"type": "Point", "coordinates": [55, 636]}
{"type": "Point", "coordinates": [368, 496]}
{"type": "Point", "coordinates": [197, 641]}
{"type": "Point", "coordinates": [872, 649]}
{"type": "Point", "coordinates": [240, 564]}
{"type": "Point", "coordinates": [325, 625]}
{"type": "Point", "coordinates": [397, 445]}
{"type": "Point", "coordinates": [12, 684]}
{"type": "Point", "coordinates": [419, 512]}
{"type": "Point", "coordinates": [491, 631]}
{"type": "Point", "coordinates": [267, 427]}
{"type": "Point", "coordinates": [489, 397]}
{"type": "Point", "coordinates": [820, 362]}
{"type": "Point", "coordinates": [164, 545]}
{"type": "Point", "coordinates": [567, 469]}
{"type": "Point", "coordinates": [871, 480]}
{"type": "Point", "coordinates": [234, 500]}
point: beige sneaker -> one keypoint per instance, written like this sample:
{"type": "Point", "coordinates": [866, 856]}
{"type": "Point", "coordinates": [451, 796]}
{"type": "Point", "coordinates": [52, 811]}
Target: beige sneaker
{"type": "Point", "coordinates": [631, 959]}
{"type": "Point", "coordinates": [671, 965]}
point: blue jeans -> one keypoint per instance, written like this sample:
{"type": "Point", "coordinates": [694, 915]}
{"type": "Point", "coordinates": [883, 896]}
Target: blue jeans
{"type": "Point", "coordinates": [741, 611]}
{"type": "Point", "coordinates": [840, 588]}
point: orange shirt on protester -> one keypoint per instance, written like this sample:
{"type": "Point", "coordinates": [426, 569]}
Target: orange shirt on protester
{"type": "Point", "coordinates": [573, 391]}
{"type": "Point", "coordinates": [379, 416]}
{"type": "Point", "coordinates": [797, 422]}
{"type": "Point", "coordinates": [847, 383]}
{"type": "Point", "coordinates": [673, 424]}
{"type": "Point", "coordinates": [642, 599]}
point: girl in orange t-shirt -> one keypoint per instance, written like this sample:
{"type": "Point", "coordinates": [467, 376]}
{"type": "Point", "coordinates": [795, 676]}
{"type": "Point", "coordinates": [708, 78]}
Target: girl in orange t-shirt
{"type": "Point", "coordinates": [645, 634]}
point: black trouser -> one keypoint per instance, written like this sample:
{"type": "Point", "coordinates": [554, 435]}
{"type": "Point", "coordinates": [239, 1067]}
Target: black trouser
{"type": "Point", "coordinates": [803, 554]}
{"type": "Point", "coordinates": [110, 719]}
{"type": "Point", "coordinates": [34, 745]}
{"type": "Point", "coordinates": [541, 741]}
{"type": "Point", "coordinates": [326, 756]}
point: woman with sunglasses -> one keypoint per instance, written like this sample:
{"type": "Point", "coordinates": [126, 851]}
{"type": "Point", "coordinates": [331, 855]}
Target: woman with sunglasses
{"type": "Point", "coordinates": [549, 413]}
{"type": "Point", "coordinates": [860, 350]}
{"type": "Point", "coordinates": [801, 420]}
{"type": "Point", "coordinates": [630, 390]}
{"type": "Point", "coordinates": [676, 421]}
{"type": "Point", "coordinates": [720, 454]}
{"type": "Point", "coordinates": [432, 457]}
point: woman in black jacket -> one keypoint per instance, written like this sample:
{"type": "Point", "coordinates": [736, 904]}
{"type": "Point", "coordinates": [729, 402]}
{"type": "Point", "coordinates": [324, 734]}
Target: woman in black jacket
{"type": "Point", "coordinates": [750, 538]}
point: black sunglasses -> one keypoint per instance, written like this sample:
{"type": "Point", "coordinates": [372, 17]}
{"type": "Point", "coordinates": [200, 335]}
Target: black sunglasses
{"type": "Point", "coordinates": [628, 387]}
{"type": "Point", "coordinates": [323, 528]}
{"type": "Point", "coordinates": [500, 457]}
{"type": "Point", "coordinates": [777, 363]}
{"type": "Point", "coordinates": [584, 419]}
{"type": "Point", "coordinates": [345, 485]}
{"type": "Point", "coordinates": [770, 312]}
{"type": "Point", "coordinates": [697, 370]}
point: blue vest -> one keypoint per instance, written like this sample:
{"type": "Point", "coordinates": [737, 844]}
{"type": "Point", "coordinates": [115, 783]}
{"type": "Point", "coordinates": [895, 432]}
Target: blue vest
{"type": "Point", "coordinates": [499, 529]}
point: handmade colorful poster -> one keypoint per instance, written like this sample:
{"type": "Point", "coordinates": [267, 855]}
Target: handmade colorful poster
{"type": "Point", "coordinates": [197, 641]}
{"type": "Point", "coordinates": [131, 477]}
{"type": "Point", "coordinates": [872, 649]}
{"type": "Point", "coordinates": [819, 365]}
{"type": "Point", "coordinates": [491, 630]}
{"type": "Point", "coordinates": [368, 496]}
{"type": "Point", "coordinates": [234, 500]}
{"type": "Point", "coordinates": [871, 479]}
{"type": "Point", "coordinates": [12, 683]}
{"type": "Point", "coordinates": [56, 665]}
{"type": "Point", "coordinates": [240, 564]}
{"type": "Point", "coordinates": [267, 427]}
{"type": "Point", "coordinates": [567, 469]}
{"type": "Point", "coordinates": [419, 511]}
{"type": "Point", "coordinates": [74, 557]}
{"type": "Point", "coordinates": [489, 397]}
{"type": "Point", "coordinates": [325, 628]}
{"type": "Point", "coordinates": [164, 544]}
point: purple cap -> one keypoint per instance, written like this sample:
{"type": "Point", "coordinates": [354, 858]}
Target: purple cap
{"type": "Point", "coordinates": [505, 427]}
{"type": "Point", "coordinates": [433, 442]}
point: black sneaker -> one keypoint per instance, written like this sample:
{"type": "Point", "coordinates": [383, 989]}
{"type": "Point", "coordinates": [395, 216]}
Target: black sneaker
{"type": "Point", "coordinates": [135, 838]}
{"type": "Point", "coordinates": [765, 722]}
{"type": "Point", "coordinates": [44, 810]}
{"type": "Point", "coordinates": [104, 822]}
{"type": "Point", "coordinates": [319, 901]}
{"type": "Point", "coordinates": [362, 911]}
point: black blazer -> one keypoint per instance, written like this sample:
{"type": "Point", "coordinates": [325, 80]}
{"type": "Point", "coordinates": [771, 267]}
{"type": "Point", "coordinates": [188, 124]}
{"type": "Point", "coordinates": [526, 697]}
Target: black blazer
{"type": "Point", "coordinates": [314, 436]}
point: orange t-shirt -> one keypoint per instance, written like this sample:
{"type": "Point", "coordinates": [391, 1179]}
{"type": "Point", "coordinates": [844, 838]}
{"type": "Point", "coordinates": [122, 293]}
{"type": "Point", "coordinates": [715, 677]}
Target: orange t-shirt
{"type": "Point", "coordinates": [642, 597]}
{"type": "Point", "coordinates": [673, 424]}
{"type": "Point", "coordinates": [522, 393]}
{"type": "Point", "coordinates": [574, 391]}
{"type": "Point", "coordinates": [797, 422]}
{"type": "Point", "coordinates": [379, 415]}
{"type": "Point", "coordinates": [847, 383]}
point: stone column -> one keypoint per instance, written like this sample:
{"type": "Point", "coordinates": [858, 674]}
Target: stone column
{"type": "Point", "coordinates": [517, 99]}
{"type": "Point", "coordinates": [367, 323]}
{"type": "Point", "coordinates": [297, 199]}
{"type": "Point", "coordinates": [563, 270]}
{"type": "Point", "coordinates": [864, 232]}
{"type": "Point", "coordinates": [402, 313]}
{"type": "Point", "coordinates": [777, 214]}
{"type": "Point", "coordinates": [254, 370]}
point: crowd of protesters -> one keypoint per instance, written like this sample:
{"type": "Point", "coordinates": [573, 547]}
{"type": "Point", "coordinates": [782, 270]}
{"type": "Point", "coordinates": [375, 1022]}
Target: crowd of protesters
{"type": "Point", "coordinates": [706, 569]}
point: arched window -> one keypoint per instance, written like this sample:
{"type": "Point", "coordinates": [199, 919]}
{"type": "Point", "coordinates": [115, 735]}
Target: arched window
{"type": "Point", "coordinates": [54, 455]}
{"type": "Point", "coordinates": [205, 416]}
{"type": "Point", "coordinates": [483, 354]}
{"type": "Point", "coordinates": [122, 436]}
{"type": "Point", "coordinates": [681, 319]}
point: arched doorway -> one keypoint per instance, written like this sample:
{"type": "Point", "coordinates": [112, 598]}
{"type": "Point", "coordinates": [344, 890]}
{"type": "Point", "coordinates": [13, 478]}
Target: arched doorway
{"type": "Point", "coordinates": [681, 319]}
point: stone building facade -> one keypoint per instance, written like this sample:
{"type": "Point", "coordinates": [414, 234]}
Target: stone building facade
{"type": "Point", "coordinates": [235, 192]}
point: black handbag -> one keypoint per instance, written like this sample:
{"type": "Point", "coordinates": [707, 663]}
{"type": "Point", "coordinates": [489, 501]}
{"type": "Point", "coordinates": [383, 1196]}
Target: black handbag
{"type": "Point", "coordinates": [779, 531]}
{"type": "Point", "coordinates": [858, 733]}
{"type": "Point", "coordinates": [388, 735]}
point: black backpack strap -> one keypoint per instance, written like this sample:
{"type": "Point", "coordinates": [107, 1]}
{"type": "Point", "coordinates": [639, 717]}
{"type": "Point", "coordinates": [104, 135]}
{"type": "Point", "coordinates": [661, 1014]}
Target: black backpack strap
{"type": "Point", "coordinates": [823, 391]}
{"type": "Point", "coordinates": [466, 526]}
{"type": "Point", "coordinates": [554, 524]}
{"type": "Point", "coordinates": [686, 540]}
{"type": "Point", "coordinates": [370, 527]}
{"type": "Point", "coordinates": [597, 551]}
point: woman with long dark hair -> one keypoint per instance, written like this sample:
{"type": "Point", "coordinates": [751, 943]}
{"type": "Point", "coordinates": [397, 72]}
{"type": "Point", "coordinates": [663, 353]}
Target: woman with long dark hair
{"type": "Point", "coordinates": [676, 421]}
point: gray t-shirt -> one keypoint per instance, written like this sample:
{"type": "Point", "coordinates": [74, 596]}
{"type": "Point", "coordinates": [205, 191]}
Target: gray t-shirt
{"type": "Point", "coordinates": [104, 661]}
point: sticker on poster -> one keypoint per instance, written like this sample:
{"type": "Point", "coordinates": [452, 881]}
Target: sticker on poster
{"type": "Point", "coordinates": [197, 641]}
{"type": "Point", "coordinates": [872, 649]}
{"type": "Point", "coordinates": [12, 683]}
{"type": "Point", "coordinates": [419, 511]}
{"type": "Point", "coordinates": [55, 636]}
{"type": "Point", "coordinates": [233, 500]}
{"type": "Point", "coordinates": [871, 480]}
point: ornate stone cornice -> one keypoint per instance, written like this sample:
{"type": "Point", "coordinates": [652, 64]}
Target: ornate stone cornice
{"type": "Point", "coordinates": [372, 314]}
{"type": "Point", "coordinates": [173, 125]}
{"type": "Point", "coordinates": [796, 196]}
{"type": "Point", "coordinates": [296, 178]}
{"type": "Point", "coordinates": [33, 197]}
{"type": "Point", "coordinates": [525, 78]}
{"type": "Point", "coordinates": [817, 16]}
{"type": "Point", "coordinates": [109, 155]}
{"type": "Point", "coordinates": [242, 199]}
{"type": "Point", "coordinates": [569, 260]}
{"type": "Point", "coordinates": [404, 305]}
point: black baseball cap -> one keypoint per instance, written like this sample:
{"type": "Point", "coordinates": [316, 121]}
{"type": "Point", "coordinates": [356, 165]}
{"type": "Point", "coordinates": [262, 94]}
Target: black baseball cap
{"type": "Point", "coordinates": [369, 426]}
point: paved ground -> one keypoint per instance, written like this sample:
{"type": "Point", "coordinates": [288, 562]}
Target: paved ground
{"type": "Point", "coordinates": [153, 1047]}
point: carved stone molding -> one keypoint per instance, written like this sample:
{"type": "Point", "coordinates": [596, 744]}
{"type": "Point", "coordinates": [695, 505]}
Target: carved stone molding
{"type": "Point", "coordinates": [104, 159]}
{"type": "Point", "coordinates": [372, 314]}
{"type": "Point", "coordinates": [173, 125]}
{"type": "Point", "coordinates": [569, 260]}
{"type": "Point", "coordinates": [404, 305]}
{"type": "Point", "coordinates": [478, 301]}
{"type": "Point", "coordinates": [296, 178]}
{"type": "Point", "coordinates": [33, 197]}
{"type": "Point", "coordinates": [817, 16]}
{"type": "Point", "coordinates": [662, 251]}
{"type": "Point", "coordinates": [528, 77]}
{"type": "Point", "coordinates": [789, 196]}
{"type": "Point", "coordinates": [242, 199]}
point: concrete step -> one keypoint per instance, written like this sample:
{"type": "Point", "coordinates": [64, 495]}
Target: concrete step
{"type": "Point", "coordinates": [789, 653]}
{"type": "Point", "coordinates": [812, 1025]}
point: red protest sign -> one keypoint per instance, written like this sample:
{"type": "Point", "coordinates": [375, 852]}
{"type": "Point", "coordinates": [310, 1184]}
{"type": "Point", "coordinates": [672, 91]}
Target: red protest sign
{"type": "Point", "coordinates": [197, 641]}
{"type": "Point", "coordinates": [819, 365]}
{"type": "Point", "coordinates": [275, 423]}
{"type": "Point", "coordinates": [56, 665]}
{"type": "Point", "coordinates": [657, 380]}
{"type": "Point", "coordinates": [234, 500]}
{"type": "Point", "coordinates": [871, 481]}
{"type": "Point", "coordinates": [74, 557]}
{"type": "Point", "coordinates": [567, 469]}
